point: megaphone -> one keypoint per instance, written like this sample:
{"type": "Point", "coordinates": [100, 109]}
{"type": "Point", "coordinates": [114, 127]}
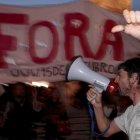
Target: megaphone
{"type": "Point", "coordinates": [79, 71]}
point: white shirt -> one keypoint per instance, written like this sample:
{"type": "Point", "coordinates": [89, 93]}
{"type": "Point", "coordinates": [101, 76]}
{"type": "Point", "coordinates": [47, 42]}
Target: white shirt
{"type": "Point", "coordinates": [129, 122]}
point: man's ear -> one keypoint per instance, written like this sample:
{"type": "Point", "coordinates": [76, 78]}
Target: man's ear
{"type": "Point", "coordinates": [134, 78]}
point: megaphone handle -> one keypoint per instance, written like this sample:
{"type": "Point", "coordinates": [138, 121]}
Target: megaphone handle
{"type": "Point", "coordinates": [91, 112]}
{"type": "Point", "coordinates": [99, 89]}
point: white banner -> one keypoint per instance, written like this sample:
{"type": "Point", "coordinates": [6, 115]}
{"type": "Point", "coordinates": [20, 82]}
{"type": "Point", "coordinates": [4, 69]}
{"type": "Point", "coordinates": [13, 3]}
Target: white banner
{"type": "Point", "coordinates": [37, 43]}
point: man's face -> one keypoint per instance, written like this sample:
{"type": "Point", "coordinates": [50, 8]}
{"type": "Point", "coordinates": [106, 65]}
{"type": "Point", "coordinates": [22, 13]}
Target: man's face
{"type": "Point", "coordinates": [19, 91]}
{"type": "Point", "coordinates": [124, 82]}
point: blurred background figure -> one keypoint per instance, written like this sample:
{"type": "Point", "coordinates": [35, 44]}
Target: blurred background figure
{"type": "Point", "coordinates": [57, 117]}
{"type": "Point", "coordinates": [18, 112]}
{"type": "Point", "coordinates": [52, 122]}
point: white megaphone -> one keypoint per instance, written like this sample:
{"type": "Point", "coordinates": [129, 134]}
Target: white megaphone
{"type": "Point", "coordinates": [79, 71]}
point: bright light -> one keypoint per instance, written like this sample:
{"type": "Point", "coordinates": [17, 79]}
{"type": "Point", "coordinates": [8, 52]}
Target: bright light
{"type": "Point", "coordinates": [41, 83]}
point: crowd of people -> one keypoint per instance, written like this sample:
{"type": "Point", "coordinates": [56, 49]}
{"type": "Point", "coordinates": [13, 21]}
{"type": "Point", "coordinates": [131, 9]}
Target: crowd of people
{"type": "Point", "coordinates": [32, 113]}
{"type": "Point", "coordinates": [22, 107]}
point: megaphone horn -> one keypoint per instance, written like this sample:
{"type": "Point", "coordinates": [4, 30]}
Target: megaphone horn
{"type": "Point", "coordinates": [79, 71]}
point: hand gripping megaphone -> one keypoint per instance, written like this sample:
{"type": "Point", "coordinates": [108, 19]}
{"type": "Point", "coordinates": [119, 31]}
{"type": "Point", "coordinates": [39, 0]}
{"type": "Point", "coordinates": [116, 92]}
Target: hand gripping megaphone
{"type": "Point", "coordinates": [79, 71]}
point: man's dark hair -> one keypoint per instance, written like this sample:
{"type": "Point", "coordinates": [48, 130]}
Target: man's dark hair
{"type": "Point", "coordinates": [131, 66]}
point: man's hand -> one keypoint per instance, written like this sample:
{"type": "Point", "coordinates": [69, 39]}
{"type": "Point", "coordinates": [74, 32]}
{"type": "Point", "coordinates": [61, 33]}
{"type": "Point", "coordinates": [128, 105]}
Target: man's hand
{"type": "Point", "coordinates": [94, 97]}
{"type": "Point", "coordinates": [132, 26]}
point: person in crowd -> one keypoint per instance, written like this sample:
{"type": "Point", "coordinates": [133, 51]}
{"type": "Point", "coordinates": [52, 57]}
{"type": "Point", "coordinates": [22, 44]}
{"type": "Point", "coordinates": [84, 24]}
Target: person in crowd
{"type": "Point", "coordinates": [57, 117]}
{"type": "Point", "coordinates": [18, 113]}
{"type": "Point", "coordinates": [53, 114]}
{"type": "Point", "coordinates": [19, 104]}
